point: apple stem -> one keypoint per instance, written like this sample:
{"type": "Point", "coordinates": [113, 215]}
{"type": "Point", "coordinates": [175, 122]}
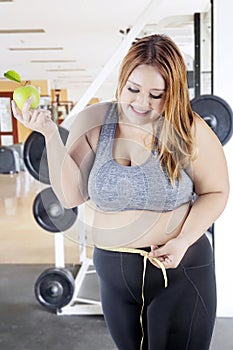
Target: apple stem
{"type": "Point", "coordinates": [26, 82]}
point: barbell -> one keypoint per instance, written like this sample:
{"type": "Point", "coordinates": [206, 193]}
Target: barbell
{"type": "Point", "coordinates": [35, 155]}
{"type": "Point", "coordinates": [50, 214]}
{"type": "Point", "coordinates": [217, 114]}
{"type": "Point", "coordinates": [47, 210]}
{"type": "Point", "coordinates": [54, 288]}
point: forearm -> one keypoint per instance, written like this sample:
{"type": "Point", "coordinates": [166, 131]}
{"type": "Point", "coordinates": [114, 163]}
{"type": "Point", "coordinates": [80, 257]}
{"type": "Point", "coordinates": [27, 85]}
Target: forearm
{"type": "Point", "coordinates": [204, 212]}
{"type": "Point", "coordinates": [63, 171]}
{"type": "Point", "coordinates": [67, 180]}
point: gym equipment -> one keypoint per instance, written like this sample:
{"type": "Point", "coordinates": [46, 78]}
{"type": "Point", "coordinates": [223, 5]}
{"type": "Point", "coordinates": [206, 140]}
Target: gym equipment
{"type": "Point", "coordinates": [9, 160]}
{"type": "Point", "coordinates": [50, 214]}
{"type": "Point", "coordinates": [83, 297]}
{"type": "Point", "coordinates": [18, 147]}
{"type": "Point", "coordinates": [86, 298]}
{"type": "Point", "coordinates": [217, 114]}
{"type": "Point", "coordinates": [54, 288]}
{"type": "Point", "coordinates": [35, 156]}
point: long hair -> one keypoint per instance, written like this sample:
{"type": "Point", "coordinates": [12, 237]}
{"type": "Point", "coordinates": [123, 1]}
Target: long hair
{"type": "Point", "coordinates": [176, 145]}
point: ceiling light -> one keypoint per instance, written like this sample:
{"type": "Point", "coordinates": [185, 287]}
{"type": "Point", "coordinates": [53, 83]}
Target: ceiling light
{"type": "Point", "coordinates": [81, 82]}
{"type": "Point", "coordinates": [21, 31]}
{"type": "Point", "coordinates": [74, 76]}
{"type": "Point", "coordinates": [66, 70]}
{"type": "Point", "coordinates": [35, 48]}
{"type": "Point", "coordinates": [52, 61]}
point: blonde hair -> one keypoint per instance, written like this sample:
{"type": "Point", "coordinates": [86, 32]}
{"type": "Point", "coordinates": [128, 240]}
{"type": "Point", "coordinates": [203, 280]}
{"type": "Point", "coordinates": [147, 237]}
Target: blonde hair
{"type": "Point", "coordinates": [176, 146]}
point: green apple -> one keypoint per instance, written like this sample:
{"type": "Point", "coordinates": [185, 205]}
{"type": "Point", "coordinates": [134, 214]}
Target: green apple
{"type": "Point", "coordinates": [23, 93]}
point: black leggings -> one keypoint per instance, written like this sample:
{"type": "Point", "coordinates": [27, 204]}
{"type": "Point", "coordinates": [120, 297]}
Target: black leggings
{"type": "Point", "coordinates": [179, 317]}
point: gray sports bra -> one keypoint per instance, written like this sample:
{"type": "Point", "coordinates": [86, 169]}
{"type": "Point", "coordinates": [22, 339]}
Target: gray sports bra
{"type": "Point", "coordinates": [115, 187]}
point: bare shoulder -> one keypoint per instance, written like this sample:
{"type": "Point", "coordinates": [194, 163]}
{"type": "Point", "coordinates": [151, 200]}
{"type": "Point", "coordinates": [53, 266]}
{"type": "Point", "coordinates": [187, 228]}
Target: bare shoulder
{"type": "Point", "coordinates": [204, 133]}
{"type": "Point", "coordinates": [88, 122]}
{"type": "Point", "coordinates": [97, 110]}
{"type": "Point", "coordinates": [91, 116]}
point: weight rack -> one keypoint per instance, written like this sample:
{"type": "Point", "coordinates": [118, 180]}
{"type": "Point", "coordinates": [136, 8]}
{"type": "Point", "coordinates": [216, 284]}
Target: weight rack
{"type": "Point", "coordinates": [83, 301]}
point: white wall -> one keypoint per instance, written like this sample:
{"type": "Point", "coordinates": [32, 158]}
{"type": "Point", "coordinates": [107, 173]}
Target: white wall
{"type": "Point", "coordinates": [105, 92]}
{"type": "Point", "coordinates": [223, 87]}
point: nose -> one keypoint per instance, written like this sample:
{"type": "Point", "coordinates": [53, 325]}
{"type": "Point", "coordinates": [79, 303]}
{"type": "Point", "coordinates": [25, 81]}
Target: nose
{"type": "Point", "coordinates": [143, 100]}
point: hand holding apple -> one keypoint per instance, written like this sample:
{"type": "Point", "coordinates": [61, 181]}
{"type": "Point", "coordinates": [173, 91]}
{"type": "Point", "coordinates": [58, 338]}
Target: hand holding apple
{"type": "Point", "coordinates": [23, 93]}
{"type": "Point", "coordinates": [35, 119]}
{"type": "Point", "coordinates": [26, 99]}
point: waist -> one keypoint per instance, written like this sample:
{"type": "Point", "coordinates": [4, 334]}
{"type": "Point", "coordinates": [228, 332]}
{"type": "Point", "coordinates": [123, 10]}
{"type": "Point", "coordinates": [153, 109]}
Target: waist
{"type": "Point", "coordinates": [143, 252]}
{"type": "Point", "coordinates": [136, 229]}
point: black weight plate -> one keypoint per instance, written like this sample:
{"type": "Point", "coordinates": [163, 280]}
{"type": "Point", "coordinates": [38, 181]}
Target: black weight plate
{"type": "Point", "coordinates": [35, 156]}
{"type": "Point", "coordinates": [54, 288]}
{"type": "Point", "coordinates": [217, 113]}
{"type": "Point", "coordinates": [50, 214]}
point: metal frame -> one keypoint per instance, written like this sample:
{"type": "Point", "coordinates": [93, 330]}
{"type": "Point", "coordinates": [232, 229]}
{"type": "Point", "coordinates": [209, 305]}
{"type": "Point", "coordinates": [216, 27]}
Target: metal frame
{"type": "Point", "coordinates": [197, 54]}
{"type": "Point", "coordinates": [78, 305]}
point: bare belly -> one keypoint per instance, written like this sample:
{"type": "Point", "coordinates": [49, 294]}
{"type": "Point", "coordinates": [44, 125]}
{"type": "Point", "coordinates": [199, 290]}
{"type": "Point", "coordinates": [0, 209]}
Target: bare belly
{"type": "Point", "coordinates": [135, 228]}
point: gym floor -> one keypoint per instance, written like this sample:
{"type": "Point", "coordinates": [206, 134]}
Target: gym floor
{"type": "Point", "coordinates": [25, 251]}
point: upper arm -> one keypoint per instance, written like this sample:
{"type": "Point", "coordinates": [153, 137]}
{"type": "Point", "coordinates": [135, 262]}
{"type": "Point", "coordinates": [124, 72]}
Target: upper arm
{"type": "Point", "coordinates": [80, 146]}
{"type": "Point", "coordinates": [210, 172]}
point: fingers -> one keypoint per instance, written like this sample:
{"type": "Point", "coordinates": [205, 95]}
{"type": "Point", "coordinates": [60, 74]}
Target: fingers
{"type": "Point", "coordinates": [167, 261]}
{"type": "Point", "coordinates": [161, 255]}
{"type": "Point", "coordinates": [26, 106]}
{"type": "Point", "coordinates": [24, 115]}
{"type": "Point", "coordinates": [153, 247]}
{"type": "Point", "coordinates": [38, 117]}
{"type": "Point", "coordinates": [164, 259]}
{"type": "Point", "coordinates": [16, 111]}
{"type": "Point", "coordinates": [30, 118]}
{"type": "Point", "coordinates": [156, 251]}
{"type": "Point", "coordinates": [170, 254]}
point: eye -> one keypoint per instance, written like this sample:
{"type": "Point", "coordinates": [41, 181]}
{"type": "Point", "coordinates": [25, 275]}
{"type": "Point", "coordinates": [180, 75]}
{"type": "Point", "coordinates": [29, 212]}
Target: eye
{"type": "Point", "coordinates": [134, 91]}
{"type": "Point", "coordinates": [156, 97]}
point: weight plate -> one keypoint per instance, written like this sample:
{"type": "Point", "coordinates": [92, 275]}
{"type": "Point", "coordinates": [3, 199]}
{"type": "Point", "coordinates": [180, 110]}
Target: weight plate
{"type": "Point", "coordinates": [54, 288]}
{"type": "Point", "coordinates": [35, 156]}
{"type": "Point", "coordinates": [50, 214]}
{"type": "Point", "coordinates": [217, 113]}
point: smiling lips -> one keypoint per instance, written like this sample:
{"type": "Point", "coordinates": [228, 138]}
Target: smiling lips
{"type": "Point", "coordinates": [139, 112]}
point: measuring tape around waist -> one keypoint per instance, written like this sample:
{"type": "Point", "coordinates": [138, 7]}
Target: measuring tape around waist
{"type": "Point", "coordinates": [142, 252]}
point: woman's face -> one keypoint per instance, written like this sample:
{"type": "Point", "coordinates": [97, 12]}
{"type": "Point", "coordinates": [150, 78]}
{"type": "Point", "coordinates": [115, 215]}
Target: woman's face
{"type": "Point", "coordinates": [142, 98]}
